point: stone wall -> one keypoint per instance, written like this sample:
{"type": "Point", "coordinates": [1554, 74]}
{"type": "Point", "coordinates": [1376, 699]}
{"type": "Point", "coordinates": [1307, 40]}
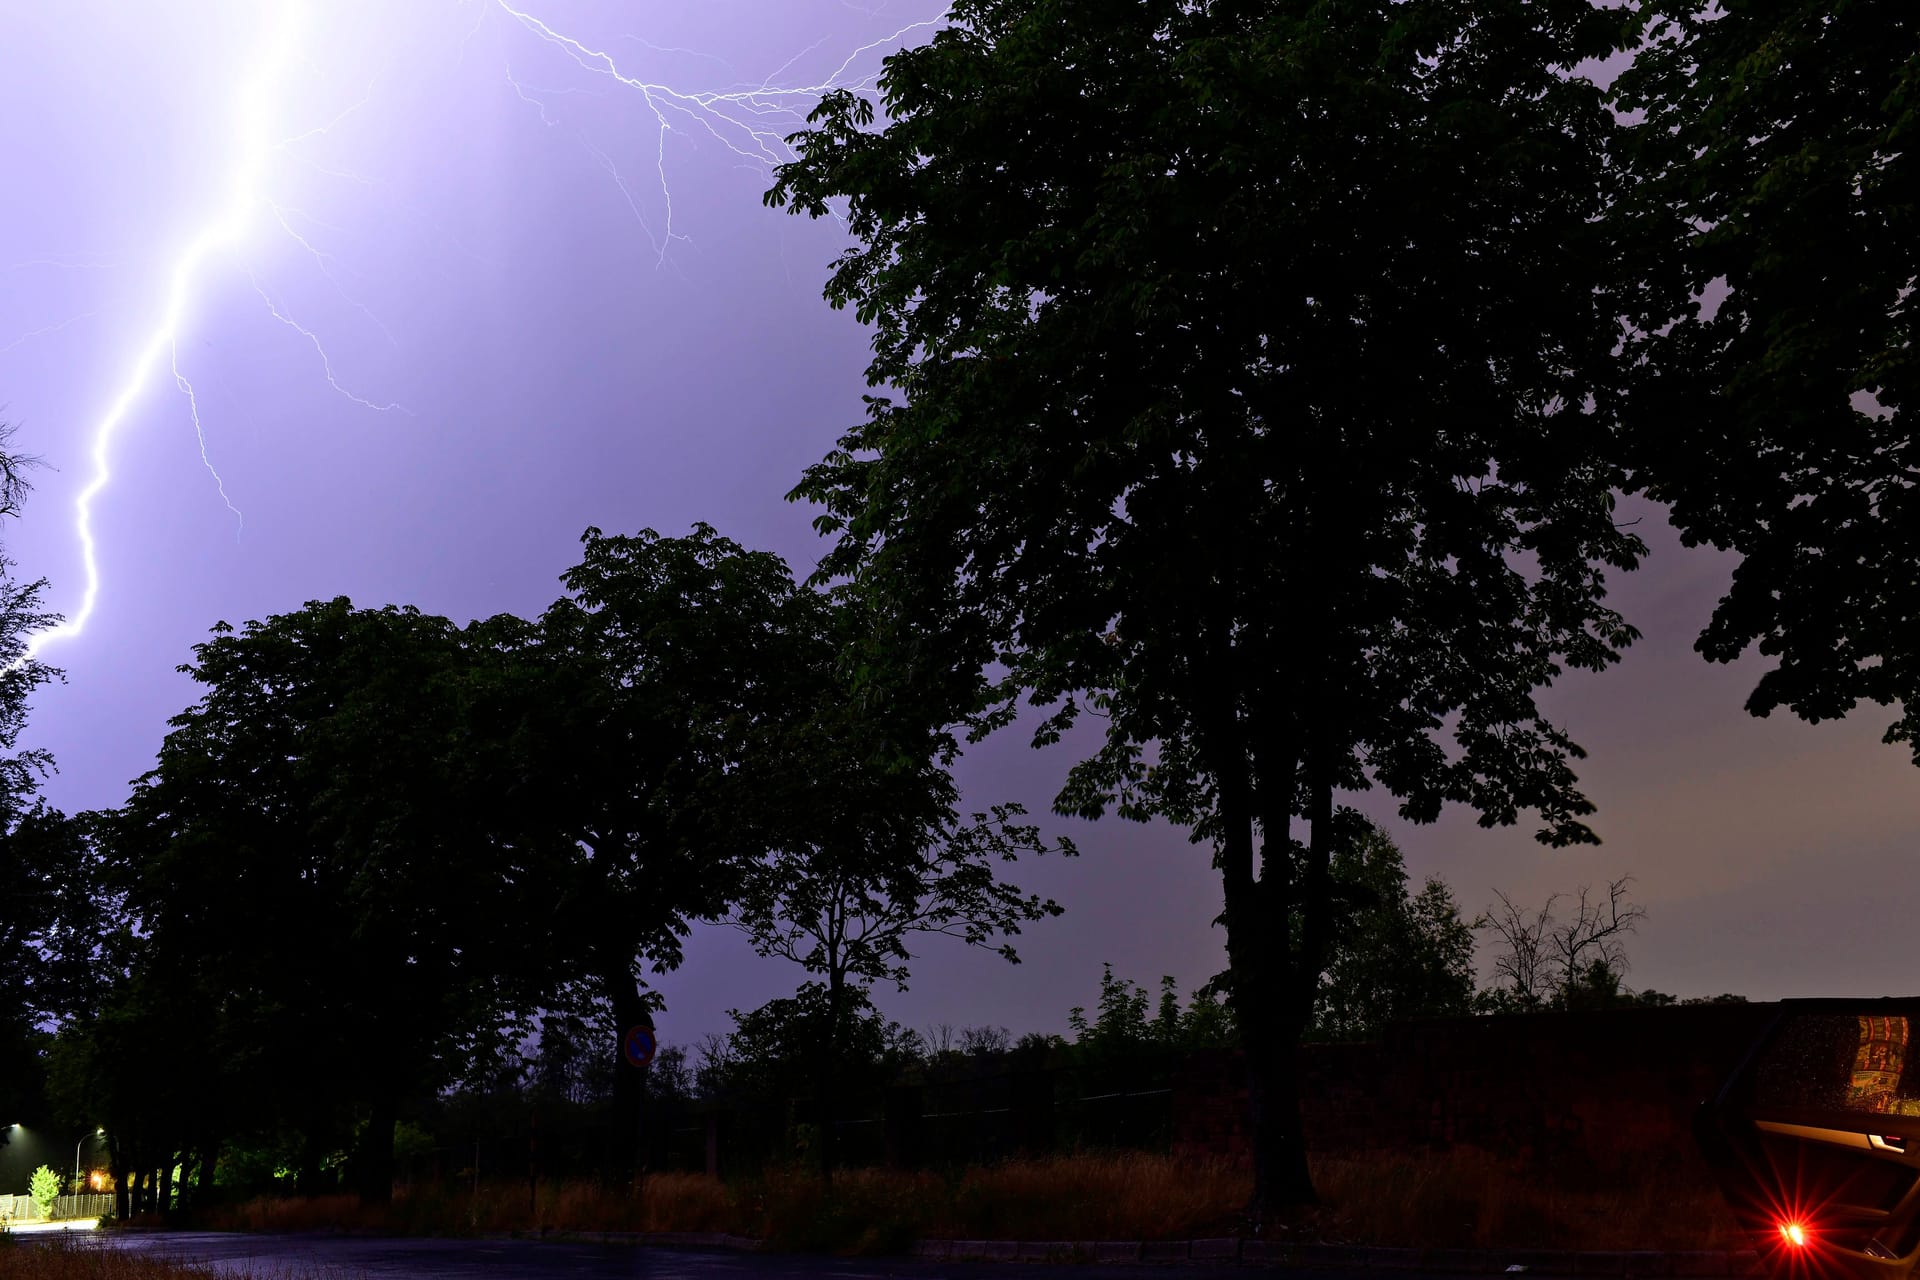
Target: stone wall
{"type": "Point", "coordinates": [1600, 1086]}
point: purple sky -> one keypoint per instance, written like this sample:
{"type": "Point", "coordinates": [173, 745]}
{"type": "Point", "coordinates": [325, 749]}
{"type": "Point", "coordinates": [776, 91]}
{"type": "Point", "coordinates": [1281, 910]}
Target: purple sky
{"type": "Point", "coordinates": [587, 323]}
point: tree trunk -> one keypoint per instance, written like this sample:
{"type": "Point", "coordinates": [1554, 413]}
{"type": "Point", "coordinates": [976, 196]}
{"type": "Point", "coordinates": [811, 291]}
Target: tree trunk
{"type": "Point", "coordinates": [117, 1166]}
{"type": "Point", "coordinates": [189, 1174]}
{"type": "Point", "coordinates": [375, 1165]}
{"type": "Point", "coordinates": [306, 1179]}
{"type": "Point", "coordinates": [1258, 917]}
{"type": "Point", "coordinates": [209, 1160]}
{"type": "Point", "coordinates": [827, 1085]}
{"type": "Point", "coordinates": [1280, 1173]}
{"type": "Point", "coordinates": [1269, 1040]}
{"type": "Point", "coordinates": [625, 1158]}
{"type": "Point", "coordinates": [1286, 989]}
{"type": "Point", "coordinates": [164, 1200]}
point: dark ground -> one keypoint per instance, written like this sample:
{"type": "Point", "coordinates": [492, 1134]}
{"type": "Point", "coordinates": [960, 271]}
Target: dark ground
{"type": "Point", "coordinates": [313, 1257]}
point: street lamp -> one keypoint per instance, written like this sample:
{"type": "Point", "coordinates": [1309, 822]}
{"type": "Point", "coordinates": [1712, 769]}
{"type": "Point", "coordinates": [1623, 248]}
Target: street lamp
{"type": "Point", "coordinates": [97, 1133]}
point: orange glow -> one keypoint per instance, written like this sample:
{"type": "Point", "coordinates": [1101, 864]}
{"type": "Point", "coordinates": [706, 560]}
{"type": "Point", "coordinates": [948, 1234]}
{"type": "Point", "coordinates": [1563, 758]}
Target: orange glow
{"type": "Point", "coordinates": [97, 1179]}
{"type": "Point", "coordinates": [1795, 1233]}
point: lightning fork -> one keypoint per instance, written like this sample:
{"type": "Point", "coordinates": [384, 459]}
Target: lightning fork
{"type": "Point", "coordinates": [227, 228]}
{"type": "Point", "coordinates": [738, 119]}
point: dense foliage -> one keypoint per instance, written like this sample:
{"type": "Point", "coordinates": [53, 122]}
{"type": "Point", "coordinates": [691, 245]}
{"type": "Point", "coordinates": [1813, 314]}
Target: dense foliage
{"type": "Point", "coordinates": [383, 852]}
{"type": "Point", "coordinates": [1394, 955]}
{"type": "Point", "coordinates": [1776, 231]}
{"type": "Point", "coordinates": [44, 895]}
{"type": "Point", "coordinates": [1242, 373]}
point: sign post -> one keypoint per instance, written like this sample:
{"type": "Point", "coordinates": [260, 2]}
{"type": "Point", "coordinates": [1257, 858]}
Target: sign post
{"type": "Point", "coordinates": [637, 1048]}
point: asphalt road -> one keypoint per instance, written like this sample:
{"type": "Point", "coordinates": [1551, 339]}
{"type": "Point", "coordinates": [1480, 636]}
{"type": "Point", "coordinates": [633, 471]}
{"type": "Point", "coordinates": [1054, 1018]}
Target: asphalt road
{"type": "Point", "coordinates": [304, 1257]}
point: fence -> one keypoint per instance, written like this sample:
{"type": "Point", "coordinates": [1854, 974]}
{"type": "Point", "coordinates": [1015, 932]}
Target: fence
{"type": "Point", "coordinates": [23, 1209]}
{"type": "Point", "coordinates": [574, 1145]}
{"type": "Point", "coordinates": [941, 1123]}
{"type": "Point", "coordinates": [1598, 1086]}
{"type": "Point", "coordinates": [946, 1123]}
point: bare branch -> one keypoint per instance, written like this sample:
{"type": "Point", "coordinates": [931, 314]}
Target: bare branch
{"type": "Point", "coordinates": [1594, 935]}
{"type": "Point", "coordinates": [1523, 965]}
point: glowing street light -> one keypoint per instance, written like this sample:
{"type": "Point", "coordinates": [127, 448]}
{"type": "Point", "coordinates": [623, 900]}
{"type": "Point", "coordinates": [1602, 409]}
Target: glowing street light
{"type": "Point", "coordinates": [97, 1133]}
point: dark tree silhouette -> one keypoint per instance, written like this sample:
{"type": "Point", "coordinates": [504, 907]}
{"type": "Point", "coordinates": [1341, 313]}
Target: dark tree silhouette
{"type": "Point", "coordinates": [32, 865]}
{"type": "Point", "coordinates": [1776, 369]}
{"type": "Point", "coordinates": [1394, 955]}
{"type": "Point", "coordinates": [330, 869]}
{"type": "Point", "coordinates": [877, 860]}
{"type": "Point", "coordinates": [671, 662]}
{"type": "Point", "coordinates": [22, 614]}
{"type": "Point", "coordinates": [1239, 375]}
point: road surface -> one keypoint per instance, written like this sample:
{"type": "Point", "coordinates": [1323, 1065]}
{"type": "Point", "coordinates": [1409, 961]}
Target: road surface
{"type": "Point", "coordinates": [315, 1257]}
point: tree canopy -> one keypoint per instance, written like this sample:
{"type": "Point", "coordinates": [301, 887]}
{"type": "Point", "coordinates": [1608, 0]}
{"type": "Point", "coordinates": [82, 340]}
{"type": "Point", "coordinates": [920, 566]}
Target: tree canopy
{"type": "Point", "coordinates": [332, 828]}
{"type": "Point", "coordinates": [46, 902]}
{"type": "Point", "coordinates": [1775, 228]}
{"type": "Point", "coordinates": [677, 667]}
{"type": "Point", "coordinates": [1239, 376]}
{"type": "Point", "coordinates": [1395, 955]}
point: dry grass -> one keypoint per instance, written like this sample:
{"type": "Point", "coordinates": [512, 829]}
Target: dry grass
{"type": "Point", "coordinates": [1470, 1199]}
{"type": "Point", "coordinates": [60, 1259]}
{"type": "Point", "coordinates": [664, 1202]}
{"type": "Point", "coordinates": [1121, 1196]}
{"type": "Point", "coordinates": [1460, 1199]}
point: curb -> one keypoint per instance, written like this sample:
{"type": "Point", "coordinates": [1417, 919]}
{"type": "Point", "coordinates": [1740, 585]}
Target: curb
{"type": "Point", "coordinates": [653, 1239]}
{"type": "Point", "coordinates": [1637, 1264]}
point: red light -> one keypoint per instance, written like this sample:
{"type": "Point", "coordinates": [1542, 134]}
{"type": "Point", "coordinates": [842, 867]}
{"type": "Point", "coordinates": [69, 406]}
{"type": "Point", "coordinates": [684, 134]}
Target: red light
{"type": "Point", "coordinates": [1795, 1234]}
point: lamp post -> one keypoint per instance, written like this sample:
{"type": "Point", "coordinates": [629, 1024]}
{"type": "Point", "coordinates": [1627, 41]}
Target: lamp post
{"type": "Point", "coordinates": [76, 1150]}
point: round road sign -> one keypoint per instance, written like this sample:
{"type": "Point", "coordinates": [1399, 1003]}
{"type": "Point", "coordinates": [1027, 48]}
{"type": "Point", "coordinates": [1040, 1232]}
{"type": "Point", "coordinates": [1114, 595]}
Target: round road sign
{"type": "Point", "coordinates": [637, 1046]}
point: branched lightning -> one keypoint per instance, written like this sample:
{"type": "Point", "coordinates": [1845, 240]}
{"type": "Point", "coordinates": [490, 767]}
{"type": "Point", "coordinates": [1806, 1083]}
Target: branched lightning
{"type": "Point", "coordinates": [75, 263]}
{"type": "Point", "coordinates": [325, 263]}
{"type": "Point", "coordinates": [751, 122]}
{"type": "Point", "coordinates": [326, 361]}
{"type": "Point", "coordinates": [228, 227]}
{"type": "Point", "coordinates": [200, 436]}
{"type": "Point", "coordinates": [46, 329]}
{"type": "Point", "coordinates": [750, 119]}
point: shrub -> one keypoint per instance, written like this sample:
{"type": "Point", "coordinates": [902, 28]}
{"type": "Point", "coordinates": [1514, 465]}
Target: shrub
{"type": "Point", "coordinates": [45, 1189]}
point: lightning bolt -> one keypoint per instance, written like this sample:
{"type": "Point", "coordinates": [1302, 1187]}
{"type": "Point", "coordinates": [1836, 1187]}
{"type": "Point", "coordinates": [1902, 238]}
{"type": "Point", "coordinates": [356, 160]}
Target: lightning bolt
{"type": "Point", "coordinates": [229, 227]}
{"type": "Point", "coordinates": [750, 120]}
{"type": "Point", "coordinates": [326, 361]}
{"type": "Point", "coordinates": [200, 435]}
{"type": "Point", "coordinates": [46, 329]}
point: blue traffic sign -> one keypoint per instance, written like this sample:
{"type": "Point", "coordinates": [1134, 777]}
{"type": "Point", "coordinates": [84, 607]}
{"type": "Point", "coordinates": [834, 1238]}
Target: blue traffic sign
{"type": "Point", "coordinates": [638, 1046]}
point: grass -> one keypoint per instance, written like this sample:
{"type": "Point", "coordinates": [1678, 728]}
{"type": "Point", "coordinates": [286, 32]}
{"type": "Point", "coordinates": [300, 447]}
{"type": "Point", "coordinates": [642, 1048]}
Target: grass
{"type": "Point", "coordinates": [1470, 1199]}
{"type": "Point", "coordinates": [1445, 1199]}
{"type": "Point", "coordinates": [61, 1259]}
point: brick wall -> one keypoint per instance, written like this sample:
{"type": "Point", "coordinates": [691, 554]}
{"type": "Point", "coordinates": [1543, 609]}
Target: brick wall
{"type": "Point", "coordinates": [1599, 1086]}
